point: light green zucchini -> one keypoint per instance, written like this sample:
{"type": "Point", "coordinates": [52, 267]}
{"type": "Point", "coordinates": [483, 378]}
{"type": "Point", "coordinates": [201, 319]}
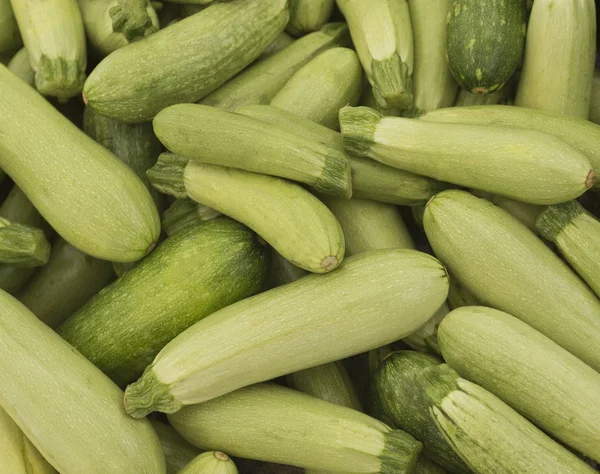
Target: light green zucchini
{"type": "Point", "coordinates": [528, 371]}
{"type": "Point", "coordinates": [210, 462]}
{"type": "Point", "coordinates": [526, 213]}
{"type": "Point", "coordinates": [383, 37]}
{"type": "Point", "coordinates": [370, 179]}
{"type": "Point", "coordinates": [283, 330]}
{"type": "Point", "coordinates": [559, 57]}
{"type": "Point", "coordinates": [10, 37]}
{"type": "Point", "coordinates": [53, 34]}
{"type": "Point", "coordinates": [20, 66]}
{"type": "Point", "coordinates": [178, 452]}
{"type": "Point", "coordinates": [277, 424]}
{"type": "Point", "coordinates": [319, 89]}
{"type": "Point", "coordinates": [191, 275]}
{"type": "Point", "coordinates": [86, 194]}
{"type": "Point", "coordinates": [184, 213]}
{"type": "Point", "coordinates": [279, 43]}
{"type": "Point", "coordinates": [488, 434]}
{"type": "Point", "coordinates": [545, 170]}
{"type": "Point", "coordinates": [189, 59]}
{"type": "Point", "coordinates": [465, 98]}
{"type": "Point", "coordinates": [112, 24]}
{"type": "Point", "coordinates": [308, 15]}
{"type": "Point", "coordinates": [65, 284]}
{"type": "Point", "coordinates": [507, 267]}
{"type": "Point", "coordinates": [594, 115]}
{"type": "Point", "coordinates": [459, 296]}
{"type": "Point", "coordinates": [46, 384]}
{"type": "Point", "coordinates": [259, 83]}
{"type": "Point", "coordinates": [209, 135]}
{"type": "Point", "coordinates": [22, 245]}
{"type": "Point", "coordinates": [283, 271]}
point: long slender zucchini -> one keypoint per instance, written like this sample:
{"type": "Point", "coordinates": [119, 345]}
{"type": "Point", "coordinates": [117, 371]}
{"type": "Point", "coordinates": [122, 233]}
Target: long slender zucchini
{"type": "Point", "coordinates": [308, 15]}
{"type": "Point", "coordinates": [261, 82]}
{"type": "Point", "coordinates": [192, 274]}
{"type": "Point", "coordinates": [559, 57]}
{"type": "Point", "coordinates": [210, 462]}
{"type": "Point", "coordinates": [277, 424]}
{"type": "Point", "coordinates": [319, 89]}
{"type": "Point", "coordinates": [178, 452]}
{"type": "Point", "coordinates": [507, 267]}
{"type": "Point", "coordinates": [528, 371]}
{"type": "Point", "coordinates": [94, 201]}
{"type": "Point", "coordinates": [184, 213]}
{"type": "Point", "coordinates": [10, 37]}
{"type": "Point", "coordinates": [209, 135]}
{"type": "Point", "coordinates": [525, 165]}
{"type": "Point", "coordinates": [22, 245]}
{"type": "Point", "coordinates": [287, 329]}
{"type": "Point", "coordinates": [191, 58]}
{"type": "Point", "coordinates": [40, 375]}
{"type": "Point", "coordinates": [20, 66]}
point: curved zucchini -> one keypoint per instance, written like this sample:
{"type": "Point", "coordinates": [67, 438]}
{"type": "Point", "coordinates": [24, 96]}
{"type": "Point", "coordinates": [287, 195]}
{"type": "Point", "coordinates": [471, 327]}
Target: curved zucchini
{"type": "Point", "coordinates": [191, 58]}
{"type": "Point", "coordinates": [10, 37]}
{"type": "Point", "coordinates": [86, 194]}
{"type": "Point", "coordinates": [123, 327]}
{"type": "Point", "coordinates": [210, 462]}
{"type": "Point", "coordinates": [22, 245]}
{"type": "Point", "coordinates": [20, 66]}
{"type": "Point", "coordinates": [525, 165]}
{"type": "Point", "coordinates": [45, 384]}
{"type": "Point", "coordinates": [308, 15]}
{"type": "Point", "coordinates": [178, 452]}
{"type": "Point", "coordinates": [184, 213]}
{"type": "Point", "coordinates": [279, 43]}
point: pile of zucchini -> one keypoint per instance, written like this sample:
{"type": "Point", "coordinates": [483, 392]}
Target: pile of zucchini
{"type": "Point", "coordinates": [286, 236]}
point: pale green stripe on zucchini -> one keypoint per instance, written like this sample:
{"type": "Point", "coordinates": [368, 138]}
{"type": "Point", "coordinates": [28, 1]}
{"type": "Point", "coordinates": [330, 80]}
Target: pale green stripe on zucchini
{"type": "Point", "coordinates": [10, 37]}
{"type": "Point", "coordinates": [507, 267]}
{"type": "Point", "coordinates": [184, 213]}
{"type": "Point", "coordinates": [525, 165]}
{"type": "Point", "coordinates": [277, 424]}
{"type": "Point", "coordinates": [178, 452]}
{"type": "Point", "coordinates": [22, 245]}
{"type": "Point", "coordinates": [279, 43]}
{"type": "Point", "coordinates": [20, 66]}
{"type": "Point", "coordinates": [308, 15]}
{"type": "Point", "coordinates": [210, 462]}
{"type": "Point", "coordinates": [594, 115]}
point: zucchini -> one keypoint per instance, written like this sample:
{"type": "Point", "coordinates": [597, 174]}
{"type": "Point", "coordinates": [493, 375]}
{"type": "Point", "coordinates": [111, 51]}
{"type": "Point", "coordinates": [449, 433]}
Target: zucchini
{"type": "Point", "coordinates": [210, 462]}
{"type": "Point", "coordinates": [259, 83]}
{"type": "Point", "coordinates": [594, 115]}
{"type": "Point", "coordinates": [209, 135]}
{"type": "Point", "coordinates": [191, 58]}
{"type": "Point", "coordinates": [22, 245]}
{"type": "Point", "coordinates": [93, 200]}
{"type": "Point", "coordinates": [368, 100]}
{"type": "Point", "coordinates": [308, 15]}
{"type": "Point", "coordinates": [65, 284]}
{"type": "Point", "coordinates": [559, 57]}
{"type": "Point", "coordinates": [184, 213]}
{"type": "Point", "coordinates": [20, 66]}
{"type": "Point", "coordinates": [466, 98]}
{"type": "Point", "coordinates": [40, 375]}
{"type": "Point", "coordinates": [427, 466]}
{"type": "Point", "coordinates": [485, 42]}
{"type": "Point", "coordinates": [53, 34]}
{"type": "Point", "coordinates": [123, 327]}
{"type": "Point", "coordinates": [279, 43]}
{"type": "Point", "coordinates": [283, 330]}
{"type": "Point", "coordinates": [319, 89]}
{"type": "Point", "coordinates": [370, 179]}
{"type": "Point", "coordinates": [464, 413]}
{"type": "Point", "coordinates": [296, 224]}
{"type": "Point", "coordinates": [545, 170]}
{"type": "Point", "coordinates": [10, 37]}
{"type": "Point", "coordinates": [507, 267]}
{"type": "Point", "coordinates": [273, 423]}
{"type": "Point", "coordinates": [528, 371]}
{"type": "Point", "coordinates": [526, 213]}
{"type": "Point", "coordinates": [424, 339]}
{"type": "Point", "coordinates": [112, 24]}
{"type": "Point", "coordinates": [383, 37]}
{"type": "Point", "coordinates": [178, 452]}
{"type": "Point", "coordinates": [459, 296]}
{"type": "Point", "coordinates": [282, 271]}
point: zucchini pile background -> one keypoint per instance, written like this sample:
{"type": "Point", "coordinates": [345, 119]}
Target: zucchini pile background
{"type": "Point", "coordinates": [286, 236]}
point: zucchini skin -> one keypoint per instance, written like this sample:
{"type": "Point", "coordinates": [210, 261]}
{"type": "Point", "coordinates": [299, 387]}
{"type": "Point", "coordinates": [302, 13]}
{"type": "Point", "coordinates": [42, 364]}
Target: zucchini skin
{"type": "Point", "coordinates": [190, 59]}
{"type": "Point", "coordinates": [210, 462]}
{"type": "Point", "coordinates": [178, 452]}
{"type": "Point", "coordinates": [279, 43]}
{"type": "Point", "coordinates": [19, 65]}
{"type": "Point", "coordinates": [308, 15]}
{"type": "Point", "coordinates": [45, 384]}
{"type": "Point", "coordinates": [123, 327]}
{"type": "Point", "coordinates": [10, 37]}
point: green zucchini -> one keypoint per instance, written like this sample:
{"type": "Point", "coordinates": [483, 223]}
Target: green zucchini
{"type": "Point", "coordinates": [192, 274]}
{"type": "Point", "coordinates": [190, 58]}
{"type": "Point", "coordinates": [424, 339]}
{"type": "Point", "coordinates": [466, 98]}
{"type": "Point", "coordinates": [112, 24]}
{"type": "Point", "coordinates": [210, 462]}
{"type": "Point", "coordinates": [308, 15]}
{"type": "Point", "coordinates": [594, 115]}
{"type": "Point", "coordinates": [545, 170]}
{"type": "Point", "coordinates": [283, 330]}
{"type": "Point", "coordinates": [22, 245]}
{"type": "Point", "coordinates": [427, 466]}
{"type": "Point", "coordinates": [273, 423]}
{"type": "Point", "coordinates": [370, 179]}
{"type": "Point", "coordinates": [319, 89]}
{"type": "Point", "coordinates": [383, 37]}
{"type": "Point", "coordinates": [65, 284]}
{"type": "Point", "coordinates": [368, 100]}
{"type": "Point", "coordinates": [209, 135]}
{"type": "Point", "coordinates": [178, 452]}
{"type": "Point", "coordinates": [20, 66]}
{"type": "Point", "coordinates": [46, 385]}
{"type": "Point", "coordinates": [10, 37]}
{"type": "Point", "coordinates": [279, 43]}
{"type": "Point", "coordinates": [485, 42]}
{"type": "Point", "coordinates": [459, 296]}
{"type": "Point", "coordinates": [507, 267]}
{"type": "Point", "coordinates": [184, 213]}
{"type": "Point", "coordinates": [53, 34]}
{"type": "Point", "coordinates": [93, 200]}
{"type": "Point", "coordinates": [489, 435]}
{"type": "Point", "coordinates": [526, 213]}
{"type": "Point", "coordinates": [528, 371]}
{"type": "Point", "coordinates": [559, 57]}
{"type": "Point", "coordinates": [261, 82]}
{"type": "Point", "coordinates": [282, 271]}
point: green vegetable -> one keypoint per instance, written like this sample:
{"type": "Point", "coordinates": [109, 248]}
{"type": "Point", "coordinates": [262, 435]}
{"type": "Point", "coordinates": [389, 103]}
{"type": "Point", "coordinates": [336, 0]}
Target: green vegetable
{"type": "Point", "coordinates": [210, 462]}
{"type": "Point", "coordinates": [424, 339]}
{"type": "Point", "coordinates": [526, 213]}
{"type": "Point", "coordinates": [277, 424]}
{"type": "Point", "coordinates": [545, 170]}
{"type": "Point", "coordinates": [184, 213]}
{"type": "Point", "coordinates": [20, 66]}
{"type": "Point", "coordinates": [594, 115]}
{"type": "Point", "coordinates": [282, 271]}
{"type": "Point", "coordinates": [279, 43]}
{"type": "Point", "coordinates": [93, 200]}
{"type": "Point", "coordinates": [69, 410]}
{"type": "Point", "coordinates": [488, 434]}
{"type": "Point", "coordinates": [459, 296]}
{"type": "Point", "coordinates": [383, 37]}
{"type": "Point", "coordinates": [559, 57]}
{"type": "Point", "coordinates": [22, 245]}
{"type": "Point", "coordinates": [53, 34]}
{"type": "Point", "coordinates": [261, 82]}
{"type": "Point", "coordinates": [283, 330]}
{"type": "Point", "coordinates": [191, 275]}
{"type": "Point", "coordinates": [209, 135]}
{"type": "Point", "coordinates": [466, 98]}
{"type": "Point", "coordinates": [184, 62]}
{"type": "Point", "coordinates": [178, 452]}
{"type": "Point", "coordinates": [308, 15]}
{"type": "Point", "coordinates": [368, 100]}
{"type": "Point", "coordinates": [507, 267]}
{"type": "Point", "coordinates": [427, 466]}
{"type": "Point", "coordinates": [10, 38]}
